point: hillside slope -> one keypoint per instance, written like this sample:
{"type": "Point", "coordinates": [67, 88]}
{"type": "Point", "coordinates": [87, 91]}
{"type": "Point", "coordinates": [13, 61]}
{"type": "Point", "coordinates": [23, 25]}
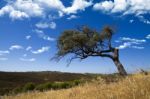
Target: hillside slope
{"type": "Point", "coordinates": [135, 86]}
{"type": "Point", "coordinates": [11, 80]}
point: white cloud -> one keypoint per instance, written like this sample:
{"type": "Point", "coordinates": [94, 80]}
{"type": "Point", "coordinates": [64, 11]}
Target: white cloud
{"type": "Point", "coordinates": [24, 55]}
{"type": "Point", "coordinates": [119, 6]}
{"type": "Point", "coordinates": [51, 4]}
{"type": "Point", "coordinates": [77, 5]}
{"type": "Point", "coordinates": [124, 7]}
{"type": "Point", "coordinates": [148, 36]}
{"type": "Point", "coordinates": [133, 40]}
{"type": "Point", "coordinates": [42, 50]}
{"type": "Point", "coordinates": [28, 60]}
{"type": "Point", "coordinates": [72, 17]}
{"type": "Point", "coordinates": [28, 37]}
{"type": "Point", "coordinates": [131, 21]}
{"type": "Point", "coordinates": [18, 15]}
{"type": "Point", "coordinates": [20, 9]}
{"type": "Point", "coordinates": [16, 47]}
{"type": "Point", "coordinates": [125, 45]}
{"type": "Point", "coordinates": [28, 48]}
{"type": "Point", "coordinates": [105, 6]}
{"type": "Point", "coordinates": [52, 25]}
{"type": "Point", "coordinates": [4, 52]}
{"type": "Point", "coordinates": [137, 47]}
{"type": "Point", "coordinates": [3, 59]}
{"type": "Point", "coordinates": [130, 43]}
{"type": "Point", "coordinates": [142, 19]}
{"type": "Point", "coordinates": [38, 31]}
{"type": "Point", "coordinates": [30, 8]}
{"type": "Point", "coordinates": [6, 9]}
{"type": "Point", "coordinates": [42, 35]}
{"type": "Point", "coordinates": [14, 14]}
{"type": "Point", "coordinates": [147, 21]}
{"type": "Point", "coordinates": [44, 25]}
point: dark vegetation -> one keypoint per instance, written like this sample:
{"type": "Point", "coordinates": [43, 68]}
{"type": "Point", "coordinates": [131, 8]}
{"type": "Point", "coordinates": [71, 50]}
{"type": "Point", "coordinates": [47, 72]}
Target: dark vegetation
{"type": "Point", "coordinates": [17, 82]}
{"type": "Point", "coordinates": [46, 86]}
{"type": "Point", "coordinates": [14, 82]}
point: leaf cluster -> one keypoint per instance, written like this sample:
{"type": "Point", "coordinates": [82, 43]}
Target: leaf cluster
{"type": "Point", "coordinates": [84, 42]}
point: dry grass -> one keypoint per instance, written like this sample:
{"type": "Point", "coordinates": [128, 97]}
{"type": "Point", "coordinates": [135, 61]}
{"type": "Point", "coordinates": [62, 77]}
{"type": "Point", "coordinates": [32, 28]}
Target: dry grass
{"type": "Point", "coordinates": [132, 87]}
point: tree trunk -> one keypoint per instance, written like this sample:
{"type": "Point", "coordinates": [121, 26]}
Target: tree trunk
{"type": "Point", "coordinates": [120, 68]}
{"type": "Point", "coordinates": [118, 64]}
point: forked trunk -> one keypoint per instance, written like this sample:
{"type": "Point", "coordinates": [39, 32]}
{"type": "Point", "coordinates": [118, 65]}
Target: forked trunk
{"type": "Point", "coordinates": [118, 64]}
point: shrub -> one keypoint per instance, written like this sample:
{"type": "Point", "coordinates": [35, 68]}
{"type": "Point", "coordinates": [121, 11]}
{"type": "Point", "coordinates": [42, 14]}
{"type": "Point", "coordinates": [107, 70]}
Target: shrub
{"type": "Point", "coordinates": [56, 86]}
{"type": "Point", "coordinates": [29, 87]}
{"type": "Point", "coordinates": [40, 87]}
{"type": "Point", "coordinates": [65, 85]}
{"type": "Point", "coordinates": [48, 85]}
{"type": "Point", "coordinates": [43, 87]}
{"type": "Point", "coordinates": [17, 90]}
{"type": "Point", "coordinates": [76, 82]}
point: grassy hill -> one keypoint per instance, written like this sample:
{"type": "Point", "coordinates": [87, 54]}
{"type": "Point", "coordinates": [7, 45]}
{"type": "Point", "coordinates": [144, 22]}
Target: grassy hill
{"type": "Point", "coordinates": [11, 80]}
{"type": "Point", "coordinates": [135, 86]}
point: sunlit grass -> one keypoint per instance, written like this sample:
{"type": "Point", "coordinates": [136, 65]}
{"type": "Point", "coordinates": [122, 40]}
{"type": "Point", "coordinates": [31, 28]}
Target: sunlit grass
{"type": "Point", "coordinates": [135, 86]}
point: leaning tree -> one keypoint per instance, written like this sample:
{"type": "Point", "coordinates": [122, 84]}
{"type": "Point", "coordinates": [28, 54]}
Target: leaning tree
{"type": "Point", "coordinates": [84, 42]}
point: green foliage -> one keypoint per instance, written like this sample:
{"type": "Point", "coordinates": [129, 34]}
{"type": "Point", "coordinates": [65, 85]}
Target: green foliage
{"type": "Point", "coordinates": [17, 90]}
{"type": "Point", "coordinates": [44, 86]}
{"type": "Point", "coordinates": [40, 87]}
{"type": "Point", "coordinates": [28, 87]}
{"type": "Point", "coordinates": [66, 85]}
{"type": "Point", "coordinates": [14, 82]}
{"type": "Point", "coordinates": [82, 41]}
{"type": "Point", "coordinates": [77, 82]}
{"type": "Point", "coordinates": [57, 85]}
{"type": "Point", "coordinates": [62, 85]}
{"type": "Point", "coordinates": [106, 33]}
{"type": "Point", "coordinates": [73, 40]}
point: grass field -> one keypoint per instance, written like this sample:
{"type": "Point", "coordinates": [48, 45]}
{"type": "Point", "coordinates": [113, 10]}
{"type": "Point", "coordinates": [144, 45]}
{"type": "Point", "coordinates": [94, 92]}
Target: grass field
{"type": "Point", "coordinates": [135, 86]}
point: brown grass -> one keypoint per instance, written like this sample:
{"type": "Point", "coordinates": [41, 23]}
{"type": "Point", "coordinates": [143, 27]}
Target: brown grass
{"type": "Point", "coordinates": [132, 87]}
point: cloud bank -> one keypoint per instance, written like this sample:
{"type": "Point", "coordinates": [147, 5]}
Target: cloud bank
{"type": "Point", "coordinates": [28, 60]}
{"type": "Point", "coordinates": [130, 43]}
{"type": "Point", "coordinates": [137, 8]}
{"type": "Point", "coordinates": [20, 9]}
{"type": "Point", "coordinates": [42, 50]}
{"type": "Point", "coordinates": [16, 47]}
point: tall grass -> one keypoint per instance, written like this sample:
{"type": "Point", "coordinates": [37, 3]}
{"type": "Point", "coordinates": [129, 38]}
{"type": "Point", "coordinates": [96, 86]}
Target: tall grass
{"type": "Point", "coordinates": [135, 86]}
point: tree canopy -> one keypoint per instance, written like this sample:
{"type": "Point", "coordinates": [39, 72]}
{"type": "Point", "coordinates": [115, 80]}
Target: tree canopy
{"type": "Point", "coordinates": [84, 42]}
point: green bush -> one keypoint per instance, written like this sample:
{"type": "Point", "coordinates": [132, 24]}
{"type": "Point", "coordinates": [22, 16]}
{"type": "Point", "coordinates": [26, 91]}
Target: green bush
{"type": "Point", "coordinates": [76, 82]}
{"type": "Point", "coordinates": [43, 87]}
{"type": "Point", "coordinates": [17, 90]}
{"type": "Point", "coordinates": [29, 87]}
{"type": "Point", "coordinates": [47, 86]}
{"type": "Point", "coordinates": [40, 87]}
{"type": "Point", "coordinates": [65, 85]}
{"type": "Point", "coordinates": [61, 85]}
{"type": "Point", "coordinates": [56, 86]}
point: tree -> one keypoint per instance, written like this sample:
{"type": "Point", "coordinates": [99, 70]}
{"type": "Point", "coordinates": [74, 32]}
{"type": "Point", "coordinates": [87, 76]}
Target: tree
{"type": "Point", "coordinates": [85, 42]}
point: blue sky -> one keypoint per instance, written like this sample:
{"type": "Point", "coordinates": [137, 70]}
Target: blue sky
{"type": "Point", "coordinates": [29, 30]}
